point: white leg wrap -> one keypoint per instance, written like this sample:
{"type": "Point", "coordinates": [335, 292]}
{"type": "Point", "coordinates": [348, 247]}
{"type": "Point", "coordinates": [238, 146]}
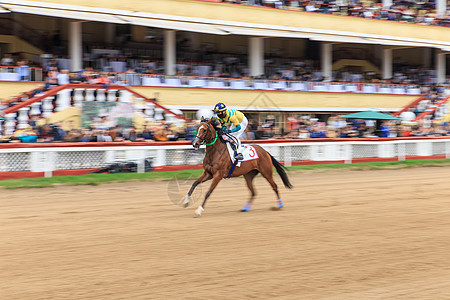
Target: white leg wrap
{"type": "Point", "coordinates": [198, 211]}
{"type": "Point", "coordinates": [186, 201]}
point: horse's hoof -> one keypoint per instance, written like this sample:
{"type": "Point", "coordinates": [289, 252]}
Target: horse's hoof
{"type": "Point", "coordinates": [280, 203]}
{"type": "Point", "coordinates": [198, 212]}
{"type": "Point", "coordinates": [246, 207]}
{"type": "Point", "coordinates": [186, 201]}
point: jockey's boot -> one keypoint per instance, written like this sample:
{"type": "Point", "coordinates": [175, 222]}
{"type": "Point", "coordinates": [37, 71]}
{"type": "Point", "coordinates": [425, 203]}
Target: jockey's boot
{"type": "Point", "coordinates": [237, 156]}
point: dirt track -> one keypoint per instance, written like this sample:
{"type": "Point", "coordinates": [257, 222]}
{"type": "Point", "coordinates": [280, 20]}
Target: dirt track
{"type": "Point", "coordinates": [347, 235]}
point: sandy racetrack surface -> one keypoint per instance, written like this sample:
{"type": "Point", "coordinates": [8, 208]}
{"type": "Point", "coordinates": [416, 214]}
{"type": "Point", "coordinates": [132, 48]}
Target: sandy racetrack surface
{"type": "Point", "coordinates": [343, 235]}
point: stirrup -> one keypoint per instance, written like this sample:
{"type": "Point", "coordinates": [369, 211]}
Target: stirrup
{"type": "Point", "coordinates": [239, 156]}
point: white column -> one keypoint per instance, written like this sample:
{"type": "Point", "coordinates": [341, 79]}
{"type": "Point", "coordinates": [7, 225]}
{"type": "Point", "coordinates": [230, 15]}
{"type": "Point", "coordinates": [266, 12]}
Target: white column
{"type": "Point", "coordinates": [110, 32]}
{"type": "Point", "coordinates": [22, 119]}
{"type": "Point", "coordinates": [159, 114]}
{"type": "Point", "coordinates": [78, 97]}
{"type": "Point", "coordinates": [75, 46]}
{"type": "Point", "coordinates": [63, 100]}
{"type": "Point", "coordinates": [441, 8]}
{"type": "Point", "coordinates": [256, 59]}
{"type": "Point", "coordinates": [101, 95]}
{"type": "Point", "coordinates": [387, 4]}
{"type": "Point", "coordinates": [170, 52]}
{"type": "Point", "coordinates": [326, 60]}
{"type": "Point", "coordinates": [125, 96]}
{"type": "Point", "coordinates": [35, 109]}
{"type": "Point", "coordinates": [111, 96]}
{"type": "Point", "coordinates": [10, 123]}
{"type": "Point", "coordinates": [387, 63]}
{"type": "Point", "coordinates": [440, 67]}
{"type": "Point", "coordinates": [47, 106]}
{"type": "Point", "coordinates": [89, 95]}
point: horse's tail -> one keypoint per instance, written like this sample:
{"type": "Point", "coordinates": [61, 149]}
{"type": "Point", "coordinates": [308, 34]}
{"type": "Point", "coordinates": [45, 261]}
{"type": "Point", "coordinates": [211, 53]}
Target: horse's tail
{"type": "Point", "coordinates": [281, 171]}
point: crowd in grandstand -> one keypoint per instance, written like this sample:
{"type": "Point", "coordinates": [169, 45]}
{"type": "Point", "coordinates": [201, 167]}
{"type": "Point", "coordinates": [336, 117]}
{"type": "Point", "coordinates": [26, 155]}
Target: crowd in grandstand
{"type": "Point", "coordinates": [419, 12]}
{"type": "Point", "coordinates": [162, 131]}
{"type": "Point", "coordinates": [300, 127]}
{"type": "Point", "coordinates": [227, 67]}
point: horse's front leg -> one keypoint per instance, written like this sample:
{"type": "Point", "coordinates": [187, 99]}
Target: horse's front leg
{"type": "Point", "coordinates": [216, 178]}
{"type": "Point", "coordinates": [204, 177]}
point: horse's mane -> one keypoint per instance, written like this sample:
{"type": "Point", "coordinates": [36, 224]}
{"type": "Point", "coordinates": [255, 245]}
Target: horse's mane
{"type": "Point", "coordinates": [215, 122]}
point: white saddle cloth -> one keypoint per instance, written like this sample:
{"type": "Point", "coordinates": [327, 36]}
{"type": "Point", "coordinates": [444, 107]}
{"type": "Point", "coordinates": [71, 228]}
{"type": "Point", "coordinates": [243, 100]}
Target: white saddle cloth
{"type": "Point", "coordinates": [249, 153]}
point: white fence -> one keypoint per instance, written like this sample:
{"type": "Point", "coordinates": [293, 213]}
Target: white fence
{"type": "Point", "coordinates": [54, 157]}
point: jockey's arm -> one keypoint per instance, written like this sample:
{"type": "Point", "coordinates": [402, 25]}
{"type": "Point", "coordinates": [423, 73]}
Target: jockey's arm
{"type": "Point", "coordinates": [237, 128]}
{"type": "Point", "coordinates": [236, 123]}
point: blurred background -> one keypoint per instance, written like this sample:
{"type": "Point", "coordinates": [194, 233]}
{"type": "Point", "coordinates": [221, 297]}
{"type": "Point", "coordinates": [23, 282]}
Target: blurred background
{"type": "Point", "coordinates": [141, 75]}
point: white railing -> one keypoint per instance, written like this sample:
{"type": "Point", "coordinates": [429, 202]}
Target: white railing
{"type": "Point", "coordinates": [52, 157]}
{"type": "Point", "coordinates": [35, 74]}
{"type": "Point", "coordinates": [73, 95]}
{"type": "Point", "coordinates": [269, 85]}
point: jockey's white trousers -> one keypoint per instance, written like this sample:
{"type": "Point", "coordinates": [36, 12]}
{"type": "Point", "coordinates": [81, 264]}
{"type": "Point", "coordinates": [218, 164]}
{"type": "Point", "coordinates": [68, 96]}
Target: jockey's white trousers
{"type": "Point", "coordinates": [238, 133]}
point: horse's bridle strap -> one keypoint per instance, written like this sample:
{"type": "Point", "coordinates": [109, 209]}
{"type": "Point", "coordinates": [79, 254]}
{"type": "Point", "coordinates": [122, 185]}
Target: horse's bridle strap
{"type": "Point", "coordinates": [212, 141]}
{"type": "Point", "coordinates": [206, 138]}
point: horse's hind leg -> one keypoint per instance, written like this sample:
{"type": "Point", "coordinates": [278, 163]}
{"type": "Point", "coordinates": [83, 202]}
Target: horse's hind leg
{"type": "Point", "coordinates": [249, 180]}
{"type": "Point", "coordinates": [269, 177]}
{"type": "Point", "coordinates": [204, 177]}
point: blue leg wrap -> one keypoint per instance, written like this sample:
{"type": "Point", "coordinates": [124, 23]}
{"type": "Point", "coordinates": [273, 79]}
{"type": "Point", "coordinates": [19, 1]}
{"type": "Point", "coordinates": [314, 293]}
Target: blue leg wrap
{"type": "Point", "coordinates": [247, 207]}
{"type": "Point", "coordinates": [280, 203]}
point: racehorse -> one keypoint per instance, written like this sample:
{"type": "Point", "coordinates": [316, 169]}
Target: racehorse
{"type": "Point", "coordinates": [217, 164]}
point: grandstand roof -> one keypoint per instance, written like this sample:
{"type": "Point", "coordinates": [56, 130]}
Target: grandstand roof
{"type": "Point", "coordinates": [210, 26]}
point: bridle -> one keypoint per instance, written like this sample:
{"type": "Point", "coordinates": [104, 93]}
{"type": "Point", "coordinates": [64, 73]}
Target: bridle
{"type": "Point", "coordinates": [209, 137]}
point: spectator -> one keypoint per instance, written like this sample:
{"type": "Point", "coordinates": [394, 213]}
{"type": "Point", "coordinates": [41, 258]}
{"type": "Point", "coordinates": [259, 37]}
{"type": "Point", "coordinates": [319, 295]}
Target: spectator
{"type": "Point", "coordinates": [161, 133]}
{"type": "Point", "coordinates": [29, 135]}
{"type": "Point", "coordinates": [24, 71]}
{"type": "Point", "coordinates": [57, 132]}
{"type": "Point", "coordinates": [116, 134]}
{"type": "Point", "coordinates": [102, 136]}
{"type": "Point", "coordinates": [384, 130]}
{"type": "Point", "coordinates": [189, 131]}
{"type": "Point", "coordinates": [63, 77]}
{"type": "Point", "coordinates": [7, 60]}
{"type": "Point", "coordinates": [102, 123]}
{"type": "Point", "coordinates": [172, 135]}
{"type": "Point", "coordinates": [74, 135]}
{"type": "Point", "coordinates": [408, 115]}
{"type": "Point", "coordinates": [147, 134]}
{"type": "Point", "coordinates": [104, 80]}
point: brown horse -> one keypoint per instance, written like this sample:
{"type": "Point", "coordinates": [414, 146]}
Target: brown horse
{"type": "Point", "coordinates": [217, 164]}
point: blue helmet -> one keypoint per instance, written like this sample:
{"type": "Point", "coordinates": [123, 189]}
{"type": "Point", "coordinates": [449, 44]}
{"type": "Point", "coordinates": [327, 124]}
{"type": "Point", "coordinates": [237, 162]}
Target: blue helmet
{"type": "Point", "coordinates": [219, 107]}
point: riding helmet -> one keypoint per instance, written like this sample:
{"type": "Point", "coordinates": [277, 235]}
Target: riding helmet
{"type": "Point", "coordinates": [219, 107]}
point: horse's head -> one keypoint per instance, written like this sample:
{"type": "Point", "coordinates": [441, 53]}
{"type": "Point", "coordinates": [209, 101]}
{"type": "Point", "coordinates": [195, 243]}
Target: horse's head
{"type": "Point", "coordinates": [206, 133]}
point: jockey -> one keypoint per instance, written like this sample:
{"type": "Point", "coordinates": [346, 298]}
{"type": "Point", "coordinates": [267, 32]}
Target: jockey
{"type": "Point", "coordinates": [238, 122]}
